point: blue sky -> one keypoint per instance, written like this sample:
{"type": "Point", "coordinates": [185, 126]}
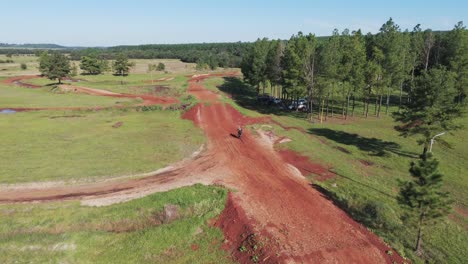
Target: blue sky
{"type": "Point", "coordinates": [106, 23]}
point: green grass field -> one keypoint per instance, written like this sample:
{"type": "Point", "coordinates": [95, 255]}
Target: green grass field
{"type": "Point", "coordinates": [77, 145]}
{"type": "Point", "coordinates": [14, 96]}
{"type": "Point", "coordinates": [369, 156]}
{"type": "Point", "coordinates": [13, 69]}
{"type": "Point", "coordinates": [133, 83]}
{"type": "Point", "coordinates": [131, 232]}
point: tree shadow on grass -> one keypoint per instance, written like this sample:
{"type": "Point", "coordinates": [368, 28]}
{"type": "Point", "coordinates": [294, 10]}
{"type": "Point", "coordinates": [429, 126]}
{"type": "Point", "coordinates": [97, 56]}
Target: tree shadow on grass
{"type": "Point", "coordinates": [361, 184]}
{"type": "Point", "coordinates": [246, 96]}
{"type": "Point", "coordinates": [374, 146]}
{"type": "Point", "coordinates": [371, 213]}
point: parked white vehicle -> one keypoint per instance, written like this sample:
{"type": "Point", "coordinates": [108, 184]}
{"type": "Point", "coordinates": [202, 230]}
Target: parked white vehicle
{"type": "Point", "coordinates": [300, 104]}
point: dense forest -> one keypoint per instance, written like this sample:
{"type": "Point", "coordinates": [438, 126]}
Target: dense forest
{"type": "Point", "coordinates": [350, 66]}
{"type": "Point", "coordinates": [423, 74]}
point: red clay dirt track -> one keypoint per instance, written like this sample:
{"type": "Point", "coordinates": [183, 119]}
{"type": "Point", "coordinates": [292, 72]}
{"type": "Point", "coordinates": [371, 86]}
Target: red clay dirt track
{"type": "Point", "coordinates": [272, 204]}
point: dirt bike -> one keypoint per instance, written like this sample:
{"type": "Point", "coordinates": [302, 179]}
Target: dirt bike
{"type": "Point", "coordinates": [239, 133]}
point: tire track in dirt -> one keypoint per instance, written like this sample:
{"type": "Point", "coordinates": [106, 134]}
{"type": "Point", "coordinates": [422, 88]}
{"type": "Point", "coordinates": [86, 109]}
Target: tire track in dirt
{"type": "Point", "coordinates": [291, 221]}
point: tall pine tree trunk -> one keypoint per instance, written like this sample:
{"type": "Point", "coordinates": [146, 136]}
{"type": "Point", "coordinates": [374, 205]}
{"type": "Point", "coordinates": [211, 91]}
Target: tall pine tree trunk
{"type": "Point", "coordinates": [380, 105]}
{"type": "Point", "coordinates": [331, 101]}
{"type": "Point", "coordinates": [319, 108]}
{"type": "Point", "coordinates": [326, 112]}
{"type": "Point", "coordinates": [388, 101]}
{"type": "Point", "coordinates": [347, 106]}
{"type": "Point", "coordinates": [354, 105]}
{"type": "Point", "coordinates": [376, 104]}
{"type": "Point", "coordinates": [364, 101]}
{"type": "Point", "coordinates": [367, 107]}
{"type": "Point", "coordinates": [418, 248]}
{"type": "Point", "coordinates": [401, 96]}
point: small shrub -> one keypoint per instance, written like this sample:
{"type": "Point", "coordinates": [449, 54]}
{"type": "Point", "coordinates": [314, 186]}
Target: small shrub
{"type": "Point", "coordinates": [24, 66]}
{"type": "Point", "coordinates": [242, 248]}
{"type": "Point", "coordinates": [255, 259]}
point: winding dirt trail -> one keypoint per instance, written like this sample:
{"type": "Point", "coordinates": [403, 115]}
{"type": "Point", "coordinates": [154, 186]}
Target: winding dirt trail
{"type": "Point", "coordinates": [147, 99]}
{"type": "Point", "coordinates": [292, 221]}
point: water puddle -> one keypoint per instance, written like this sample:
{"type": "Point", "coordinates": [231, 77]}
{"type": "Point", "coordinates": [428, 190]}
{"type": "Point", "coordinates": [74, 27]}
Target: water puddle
{"type": "Point", "coordinates": [7, 111]}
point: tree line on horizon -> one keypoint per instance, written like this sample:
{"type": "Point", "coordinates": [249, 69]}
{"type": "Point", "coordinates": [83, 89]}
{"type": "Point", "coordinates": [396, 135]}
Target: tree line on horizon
{"type": "Point", "coordinates": [205, 55]}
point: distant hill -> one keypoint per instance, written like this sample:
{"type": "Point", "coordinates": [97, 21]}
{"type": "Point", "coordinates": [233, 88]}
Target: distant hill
{"type": "Point", "coordinates": [32, 46]}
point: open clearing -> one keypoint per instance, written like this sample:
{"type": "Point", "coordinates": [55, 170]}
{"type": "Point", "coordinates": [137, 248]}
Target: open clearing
{"type": "Point", "coordinates": [82, 145]}
{"type": "Point", "coordinates": [310, 227]}
{"type": "Point", "coordinates": [18, 97]}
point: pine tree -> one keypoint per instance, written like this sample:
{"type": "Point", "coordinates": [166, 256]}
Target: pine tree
{"type": "Point", "coordinates": [122, 65]}
{"type": "Point", "coordinates": [253, 65]}
{"type": "Point", "coordinates": [55, 66]}
{"type": "Point", "coordinates": [273, 63]}
{"type": "Point", "coordinates": [422, 198]}
{"type": "Point", "coordinates": [432, 108]}
{"type": "Point", "coordinates": [329, 67]}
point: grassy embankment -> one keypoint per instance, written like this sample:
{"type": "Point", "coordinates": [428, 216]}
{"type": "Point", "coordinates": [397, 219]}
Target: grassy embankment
{"type": "Point", "coordinates": [369, 157]}
{"type": "Point", "coordinates": [133, 232]}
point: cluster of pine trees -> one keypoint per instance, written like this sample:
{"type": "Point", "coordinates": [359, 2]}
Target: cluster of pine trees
{"type": "Point", "coordinates": [374, 68]}
{"type": "Point", "coordinates": [56, 65]}
{"type": "Point", "coordinates": [425, 71]}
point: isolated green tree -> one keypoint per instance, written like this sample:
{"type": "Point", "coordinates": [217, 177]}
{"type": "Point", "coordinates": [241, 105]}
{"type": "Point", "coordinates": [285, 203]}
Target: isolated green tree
{"type": "Point", "coordinates": [121, 65]}
{"type": "Point", "coordinates": [24, 66]}
{"type": "Point", "coordinates": [92, 65]}
{"type": "Point", "coordinates": [422, 198]}
{"type": "Point", "coordinates": [160, 67]}
{"type": "Point", "coordinates": [432, 109]}
{"type": "Point", "coordinates": [54, 66]}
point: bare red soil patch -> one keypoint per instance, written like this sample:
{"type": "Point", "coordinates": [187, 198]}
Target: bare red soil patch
{"type": "Point", "coordinates": [306, 166]}
{"type": "Point", "coordinates": [366, 163]}
{"type": "Point", "coordinates": [18, 81]}
{"type": "Point", "coordinates": [241, 241]}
